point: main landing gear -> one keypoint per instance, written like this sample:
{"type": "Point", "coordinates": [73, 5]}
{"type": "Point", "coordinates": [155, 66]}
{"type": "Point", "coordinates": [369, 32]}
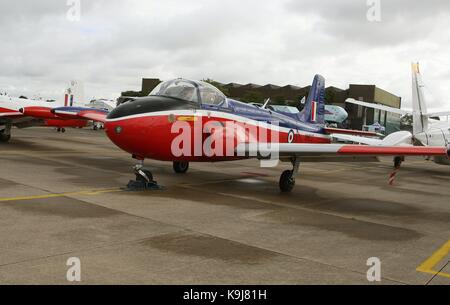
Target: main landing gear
{"type": "Point", "coordinates": [287, 179]}
{"type": "Point", "coordinates": [63, 130]}
{"type": "Point", "coordinates": [180, 167]}
{"type": "Point", "coordinates": [5, 134]}
{"type": "Point", "coordinates": [398, 162]}
{"type": "Point", "coordinates": [144, 179]}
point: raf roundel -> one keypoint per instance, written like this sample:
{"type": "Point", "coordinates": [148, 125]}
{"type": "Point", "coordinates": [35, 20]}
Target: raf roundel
{"type": "Point", "coordinates": [291, 136]}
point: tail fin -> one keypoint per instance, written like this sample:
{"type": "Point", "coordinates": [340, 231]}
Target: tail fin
{"type": "Point", "coordinates": [420, 120]}
{"type": "Point", "coordinates": [74, 95]}
{"type": "Point", "coordinates": [314, 110]}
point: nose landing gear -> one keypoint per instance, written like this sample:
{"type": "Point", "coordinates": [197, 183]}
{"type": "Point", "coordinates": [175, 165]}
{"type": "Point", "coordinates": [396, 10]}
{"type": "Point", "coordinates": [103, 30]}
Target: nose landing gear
{"type": "Point", "coordinates": [144, 179]}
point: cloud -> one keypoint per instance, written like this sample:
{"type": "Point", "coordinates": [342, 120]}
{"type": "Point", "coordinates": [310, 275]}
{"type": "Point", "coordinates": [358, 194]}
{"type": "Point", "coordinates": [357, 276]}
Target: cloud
{"type": "Point", "coordinates": [116, 43]}
{"type": "Point", "coordinates": [401, 21]}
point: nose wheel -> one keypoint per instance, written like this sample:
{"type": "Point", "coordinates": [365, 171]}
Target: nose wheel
{"type": "Point", "coordinates": [144, 179]}
{"type": "Point", "coordinates": [287, 179]}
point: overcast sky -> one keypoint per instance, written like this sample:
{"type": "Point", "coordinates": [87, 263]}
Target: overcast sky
{"type": "Point", "coordinates": [116, 43]}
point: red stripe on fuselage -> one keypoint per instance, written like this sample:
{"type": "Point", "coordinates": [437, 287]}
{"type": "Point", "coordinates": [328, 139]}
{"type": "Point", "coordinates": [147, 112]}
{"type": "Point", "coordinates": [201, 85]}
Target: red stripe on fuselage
{"type": "Point", "coordinates": [151, 137]}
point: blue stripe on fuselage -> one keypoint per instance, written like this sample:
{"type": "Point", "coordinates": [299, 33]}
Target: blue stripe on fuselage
{"type": "Point", "coordinates": [266, 116]}
{"type": "Point", "coordinates": [79, 109]}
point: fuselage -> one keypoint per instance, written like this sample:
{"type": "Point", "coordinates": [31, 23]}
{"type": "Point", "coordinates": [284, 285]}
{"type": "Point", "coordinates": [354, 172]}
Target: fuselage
{"type": "Point", "coordinates": [437, 134]}
{"type": "Point", "coordinates": [147, 128]}
{"type": "Point", "coordinates": [9, 105]}
{"type": "Point", "coordinates": [10, 112]}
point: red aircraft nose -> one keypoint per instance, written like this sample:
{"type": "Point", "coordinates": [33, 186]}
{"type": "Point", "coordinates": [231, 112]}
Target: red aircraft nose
{"type": "Point", "coordinates": [144, 137]}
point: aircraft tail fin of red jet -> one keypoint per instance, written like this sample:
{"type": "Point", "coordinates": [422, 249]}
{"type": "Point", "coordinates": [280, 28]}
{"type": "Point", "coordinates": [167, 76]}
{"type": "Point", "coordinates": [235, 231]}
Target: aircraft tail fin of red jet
{"type": "Point", "coordinates": [314, 110]}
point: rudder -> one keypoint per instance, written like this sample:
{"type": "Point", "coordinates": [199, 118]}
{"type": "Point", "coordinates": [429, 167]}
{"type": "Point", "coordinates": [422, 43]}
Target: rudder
{"type": "Point", "coordinates": [314, 110]}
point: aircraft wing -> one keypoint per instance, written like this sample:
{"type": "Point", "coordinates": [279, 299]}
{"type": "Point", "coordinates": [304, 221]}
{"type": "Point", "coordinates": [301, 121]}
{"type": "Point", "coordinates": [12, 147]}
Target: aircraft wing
{"type": "Point", "coordinates": [437, 114]}
{"type": "Point", "coordinates": [97, 115]}
{"type": "Point", "coordinates": [394, 110]}
{"type": "Point", "coordinates": [315, 150]}
{"type": "Point", "coordinates": [10, 114]}
{"type": "Point", "coordinates": [356, 139]}
{"type": "Point", "coordinates": [332, 131]}
{"type": "Point", "coordinates": [377, 106]}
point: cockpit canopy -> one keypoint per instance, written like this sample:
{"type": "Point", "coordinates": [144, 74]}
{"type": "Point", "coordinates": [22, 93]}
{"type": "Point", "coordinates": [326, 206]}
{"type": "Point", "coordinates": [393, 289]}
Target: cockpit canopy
{"type": "Point", "coordinates": [188, 90]}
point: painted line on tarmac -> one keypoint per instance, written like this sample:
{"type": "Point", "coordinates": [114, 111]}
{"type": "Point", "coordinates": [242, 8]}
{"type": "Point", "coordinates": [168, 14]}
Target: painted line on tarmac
{"type": "Point", "coordinates": [429, 265]}
{"type": "Point", "coordinates": [48, 196]}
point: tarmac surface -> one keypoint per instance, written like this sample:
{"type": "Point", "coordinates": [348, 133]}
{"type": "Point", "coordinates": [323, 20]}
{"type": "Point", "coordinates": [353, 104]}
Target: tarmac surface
{"type": "Point", "coordinates": [61, 196]}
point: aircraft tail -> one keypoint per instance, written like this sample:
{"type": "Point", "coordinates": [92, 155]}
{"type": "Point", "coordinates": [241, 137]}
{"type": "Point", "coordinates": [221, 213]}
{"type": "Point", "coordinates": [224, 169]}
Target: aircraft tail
{"type": "Point", "coordinates": [420, 118]}
{"type": "Point", "coordinates": [314, 110]}
{"type": "Point", "coordinates": [74, 95]}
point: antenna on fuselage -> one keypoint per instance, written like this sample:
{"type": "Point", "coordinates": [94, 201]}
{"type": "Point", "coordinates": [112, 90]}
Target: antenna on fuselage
{"type": "Point", "coordinates": [266, 103]}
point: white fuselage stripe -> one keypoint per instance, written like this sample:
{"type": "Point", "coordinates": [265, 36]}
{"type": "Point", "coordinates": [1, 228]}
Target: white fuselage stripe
{"type": "Point", "coordinates": [218, 114]}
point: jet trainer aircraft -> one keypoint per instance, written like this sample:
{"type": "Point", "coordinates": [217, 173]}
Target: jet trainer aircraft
{"type": "Point", "coordinates": [37, 113]}
{"type": "Point", "coordinates": [186, 121]}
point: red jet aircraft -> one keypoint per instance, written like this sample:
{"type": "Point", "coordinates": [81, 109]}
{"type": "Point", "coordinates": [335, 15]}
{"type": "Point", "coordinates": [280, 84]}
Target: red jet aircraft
{"type": "Point", "coordinates": [191, 121]}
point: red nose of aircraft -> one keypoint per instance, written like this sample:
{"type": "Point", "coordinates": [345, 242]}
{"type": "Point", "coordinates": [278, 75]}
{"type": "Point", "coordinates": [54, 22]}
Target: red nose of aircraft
{"type": "Point", "coordinates": [142, 127]}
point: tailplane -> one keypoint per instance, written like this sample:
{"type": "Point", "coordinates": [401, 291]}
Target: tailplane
{"type": "Point", "coordinates": [420, 120]}
{"type": "Point", "coordinates": [314, 110]}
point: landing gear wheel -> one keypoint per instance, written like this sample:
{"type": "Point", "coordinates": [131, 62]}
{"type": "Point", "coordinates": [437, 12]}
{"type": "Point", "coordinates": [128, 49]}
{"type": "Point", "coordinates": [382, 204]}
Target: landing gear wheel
{"type": "Point", "coordinates": [95, 127]}
{"type": "Point", "coordinates": [63, 130]}
{"type": "Point", "coordinates": [58, 129]}
{"type": "Point", "coordinates": [144, 180]}
{"type": "Point", "coordinates": [147, 178]}
{"type": "Point", "coordinates": [398, 162]}
{"type": "Point", "coordinates": [5, 133]}
{"type": "Point", "coordinates": [287, 181]}
{"type": "Point", "coordinates": [4, 138]}
{"type": "Point", "coordinates": [180, 167]}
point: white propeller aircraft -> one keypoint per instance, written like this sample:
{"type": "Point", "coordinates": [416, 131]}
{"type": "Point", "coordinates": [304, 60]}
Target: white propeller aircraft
{"type": "Point", "coordinates": [426, 131]}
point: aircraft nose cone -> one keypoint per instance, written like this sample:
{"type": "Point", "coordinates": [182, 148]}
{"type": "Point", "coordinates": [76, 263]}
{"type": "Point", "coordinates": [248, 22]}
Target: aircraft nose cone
{"type": "Point", "coordinates": [124, 134]}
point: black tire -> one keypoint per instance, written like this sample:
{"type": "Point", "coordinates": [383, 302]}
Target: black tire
{"type": "Point", "coordinates": [147, 173]}
{"type": "Point", "coordinates": [287, 182]}
{"type": "Point", "coordinates": [398, 162]}
{"type": "Point", "coordinates": [5, 138]}
{"type": "Point", "coordinates": [180, 167]}
{"type": "Point", "coordinates": [63, 130]}
{"type": "Point", "coordinates": [95, 127]}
